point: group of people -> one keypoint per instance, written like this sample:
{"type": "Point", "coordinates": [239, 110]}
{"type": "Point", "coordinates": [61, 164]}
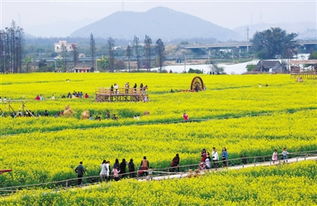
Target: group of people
{"type": "Point", "coordinates": [114, 89]}
{"type": "Point", "coordinates": [76, 95]}
{"type": "Point", "coordinates": [119, 170]}
{"type": "Point", "coordinates": [4, 99]}
{"type": "Point", "coordinates": [284, 155]}
{"type": "Point", "coordinates": [208, 161]}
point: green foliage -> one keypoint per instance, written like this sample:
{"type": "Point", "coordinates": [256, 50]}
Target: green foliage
{"type": "Point", "coordinates": [251, 67]}
{"type": "Point", "coordinates": [273, 43]}
{"type": "Point", "coordinates": [196, 71]}
{"type": "Point", "coordinates": [313, 55]}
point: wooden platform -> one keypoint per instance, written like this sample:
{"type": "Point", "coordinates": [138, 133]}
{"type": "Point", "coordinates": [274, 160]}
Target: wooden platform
{"type": "Point", "coordinates": [121, 95]}
{"type": "Point", "coordinates": [305, 75]}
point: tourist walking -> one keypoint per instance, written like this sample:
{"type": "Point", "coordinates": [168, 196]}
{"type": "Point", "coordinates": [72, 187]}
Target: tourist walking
{"type": "Point", "coordinates": [208, 161]}
{"type": "Point", "coordinates": [215, 157]}
{"type": "Point", "coordinates": [285, 155]}
{"type": "Point", "coordinates": [131, 168]}
{"type": "Point", "coordinates": [123, 166]}
{"type": "Point", "coordinates": [116, 172]}
{"type": "Point", "coordinates": [175, 164]}
{"type": "Point", "coordinates": [107, 170]}
{"type": "Point", "coordinates": [203, 155]}
{"type": "Point", "coordinates": [144, 166]}
{"type": "Point", "coordinates": [116, 164]}
{"type": "Point", "coordinates": [185, 117]}
{"type": "Point", "coordinates": [80, 170]}
{"type": "Point", "coordinates": [274, 156]}
{"type": "Point", "coordinates": [103, 171]}
{"type": "Point", "coordinates": [225, 157]}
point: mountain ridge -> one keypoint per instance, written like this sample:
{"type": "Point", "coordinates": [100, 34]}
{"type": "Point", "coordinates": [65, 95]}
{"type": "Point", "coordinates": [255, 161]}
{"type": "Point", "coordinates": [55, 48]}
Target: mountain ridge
{"type": "Point", "coordinates": [158, 22]}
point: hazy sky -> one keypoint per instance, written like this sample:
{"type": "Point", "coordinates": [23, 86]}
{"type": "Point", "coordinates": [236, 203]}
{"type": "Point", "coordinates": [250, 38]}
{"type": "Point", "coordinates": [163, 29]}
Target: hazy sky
{"type": "Point", "coordinates": [61, 17]}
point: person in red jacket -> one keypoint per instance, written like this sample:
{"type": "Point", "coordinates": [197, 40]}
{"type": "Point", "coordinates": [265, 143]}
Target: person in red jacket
{"type": "Point", "coordinates": [86, 96]}
{"type": "Point", "coordinates": [38, 98]}
{"type": "Point", "coordinates": [185, 117]}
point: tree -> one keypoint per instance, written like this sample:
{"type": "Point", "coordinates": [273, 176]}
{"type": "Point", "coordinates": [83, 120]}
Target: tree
{"type": "Point", "coordinates": [110, 46]}
{"type": "Point", "coordinates": [75, 54]}
{"type": "Point", "coordinates": [273, 43]}
{"type": "Point", "coordinates": [11, 49]}
{"type": "Point", "coordinates": [136, 51]}
{"type": "Point", "coordinates": [103, 63]}
{"type": "Point", "coordinates": [129, 54]}
{"type": "Point", "coordinates": [92, 52]}
{"type": "Point", "coordinates": [147, 52]}
{"type": "Point", "coordinates": [160, 56]}
{"type": "Point", "coordinates": [27, 61]}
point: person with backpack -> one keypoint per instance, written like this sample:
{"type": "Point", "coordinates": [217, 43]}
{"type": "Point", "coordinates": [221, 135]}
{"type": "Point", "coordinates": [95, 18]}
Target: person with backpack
{"type": "Point", "coordinates": [80, 170]}
{"type": "Point", "coordinates": [144, 166]}
{"type": "Point", "coordinates": [103, 171]}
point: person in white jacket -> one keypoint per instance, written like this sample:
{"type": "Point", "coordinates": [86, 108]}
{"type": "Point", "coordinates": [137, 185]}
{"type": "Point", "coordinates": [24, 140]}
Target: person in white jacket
{"type": "Point", "coordinates": [103, 171]}
{"type": "Point", "coordinates": [215, 157]}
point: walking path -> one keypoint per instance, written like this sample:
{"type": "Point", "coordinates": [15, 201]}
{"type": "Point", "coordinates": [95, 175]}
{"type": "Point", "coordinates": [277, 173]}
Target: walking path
{"type": "Point", "coordinates": [163, 174]}
{"type": "Point", "coordinates": [237, 167]}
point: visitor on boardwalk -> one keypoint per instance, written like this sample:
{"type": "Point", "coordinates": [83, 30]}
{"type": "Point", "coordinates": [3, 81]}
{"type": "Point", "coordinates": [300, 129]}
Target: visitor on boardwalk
{"type": "Point", "coordinates": [45, 113]}
{"type": "Point", "coordinates": [175, 164]}
{"type": "Point", "coordinates": [131, 168]}
{"type": "Point", "coordinates": [225, 157]}
{"type": "Point", "coordinates": [185, 117]}
{"type": "Point", "coordinates": [134, 87]}
{"type": "Point", "coordinates": [144, 166]}
{"type": "Point", "coordinates": [86, 96]}
{"type": "Point", "coordinates": [126, 88]}
{"type": "Point", "coordinates": [107, 170]}
{"type": "Point", "coordinates": [38, 98]}
{"type": "Point", "coordinates": [111, 89]}
{"type": "Point", "coordinates": [80, 170]}
{"type": "Point", "coordinates": [108, 115]}
{"type": "Point", "coordinates": [203, 155]}
{"type": "Point", "coordinates": [116, 172]}
{"type": "Point", "coordinates": [103, 171]}
{"type": "Point", "coordinates": [116, 88]}
{"type": "Point", "coordinates": [285, 155]}
{"type": "Point", "coordinates": [208, 161]}
{"type": "Point", "coordinates": [215, 157]}
{"type": "Point", "coordinates": [123, 166]}
{"type": "Point", "coordinates": [202, 165]}
{"type": "Point", "coordinates": [274, 156]}
{"type": "Point", "coordinates": [116, 164]}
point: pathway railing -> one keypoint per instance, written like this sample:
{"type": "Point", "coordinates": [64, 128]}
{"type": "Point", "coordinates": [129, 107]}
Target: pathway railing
{"type": "Point", "coordinates": [166, 171]}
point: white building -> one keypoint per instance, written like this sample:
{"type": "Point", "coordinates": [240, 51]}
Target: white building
{"type": "Point", "coordinates": [58, 47]}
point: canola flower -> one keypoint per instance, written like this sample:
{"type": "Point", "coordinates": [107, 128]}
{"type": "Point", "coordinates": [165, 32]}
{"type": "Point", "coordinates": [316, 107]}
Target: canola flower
{"type": "Point", "coordinates": [245, 118]}
{"type": "Point", "coordinates": [290, 184]}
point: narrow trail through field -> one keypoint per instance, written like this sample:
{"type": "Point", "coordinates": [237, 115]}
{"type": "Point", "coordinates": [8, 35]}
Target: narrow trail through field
{"type": "Point", "coordinates": [154, 122]}
{"type": "Point", "coordinates": [160, 174]}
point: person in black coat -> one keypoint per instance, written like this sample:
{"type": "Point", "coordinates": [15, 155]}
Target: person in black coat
{"type": "Point", "coordinates": [123, 166]}
{"type": "Point", "coordinates": [131, 168]}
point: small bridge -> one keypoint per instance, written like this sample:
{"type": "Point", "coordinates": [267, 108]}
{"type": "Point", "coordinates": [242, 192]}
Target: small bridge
{"type": "Point", "coordinates": [122, 95]}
